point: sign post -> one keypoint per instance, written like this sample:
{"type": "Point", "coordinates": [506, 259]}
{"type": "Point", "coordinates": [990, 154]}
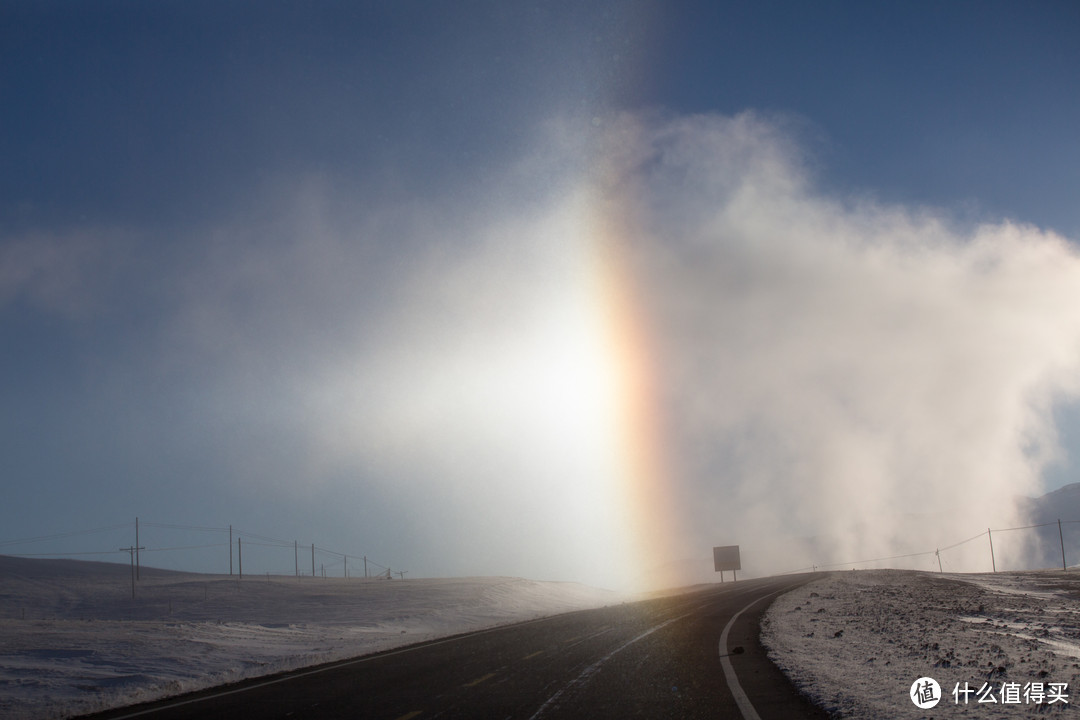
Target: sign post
{"type": "Point", "coordinates": [726, 558]}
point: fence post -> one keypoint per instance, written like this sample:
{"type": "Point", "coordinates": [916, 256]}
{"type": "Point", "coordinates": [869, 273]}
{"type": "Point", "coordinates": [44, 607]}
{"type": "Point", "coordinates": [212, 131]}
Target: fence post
{"type": "Point", "coordinates": [993, 562]}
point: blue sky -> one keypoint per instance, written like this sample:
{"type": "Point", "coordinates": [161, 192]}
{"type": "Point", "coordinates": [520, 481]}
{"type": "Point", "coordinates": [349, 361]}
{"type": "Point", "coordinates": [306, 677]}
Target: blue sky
{"type": "Point", "coordinates": [239, 240]}
{"type": "Point", "coordinates": [163, 113]}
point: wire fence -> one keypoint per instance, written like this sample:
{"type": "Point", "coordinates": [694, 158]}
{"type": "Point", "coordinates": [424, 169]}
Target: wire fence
{"type": "Point", "coordinates": [237, 552]}
{"type": "Point", "coordinates": [200, 549]}
{"type": "Point", "coordinates": [1045, 552]}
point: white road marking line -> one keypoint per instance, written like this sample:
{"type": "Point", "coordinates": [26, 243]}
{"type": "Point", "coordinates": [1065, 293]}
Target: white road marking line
{"type": "Point", "coordinates": [577, 640]}
{"type": "Point", "coordinates": [477, 681]}
{"type": "Point", "coordinates": [745, 706]}
{"type": "Point", "coordinates": [584, 675]}
{"type": "Point", "coordinates": [325, 668]}
{"type": "Point", "coordinates": [728, 671]}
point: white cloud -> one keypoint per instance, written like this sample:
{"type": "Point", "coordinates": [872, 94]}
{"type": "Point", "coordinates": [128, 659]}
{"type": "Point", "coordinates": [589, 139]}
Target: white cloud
{"type": "Point", "coordinates": [825, 367]}
{"type": "Point", "coordinates": [833, 368]}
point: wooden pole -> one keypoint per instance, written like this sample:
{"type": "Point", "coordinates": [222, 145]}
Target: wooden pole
{"type": "Point", "coordinates": [131, 550]}
{"type": "Point", "coordinates": [240, 555]}
{"type": "Point", "coordinates": [993, 562]}
{"type": "Point", "coordinates": [1061, 537]}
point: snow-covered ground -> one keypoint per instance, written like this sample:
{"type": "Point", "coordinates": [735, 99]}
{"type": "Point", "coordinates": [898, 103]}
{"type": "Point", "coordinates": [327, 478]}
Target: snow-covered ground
{"type": "Point", "coordinates": [72, 640]}
{"type": "Point", "coordinates": [856, 642]}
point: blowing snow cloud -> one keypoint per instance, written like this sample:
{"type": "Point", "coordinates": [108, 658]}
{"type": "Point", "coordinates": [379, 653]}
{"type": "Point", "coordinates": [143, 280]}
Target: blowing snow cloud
{"type": "Point", "coordinates": [828, 379]}
{"type": "Point", "coordinates": [656, 340]}
{"type": "Point", "coordinates": [879, 378]}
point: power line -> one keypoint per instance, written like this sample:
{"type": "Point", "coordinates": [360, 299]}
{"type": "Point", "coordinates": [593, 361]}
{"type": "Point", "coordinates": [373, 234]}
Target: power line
{"type": "Point", "coordinates": [270, 542]}
{"type": "Point", "coordinates": [57, 536]}
{"type": "Point", "coordinates": [893, 557]}
{"type": "Point", "coordinates": [186, 547]}
{"type": "Point", "coordinates": [64, 554]}
{"type": "Point", "coordinates": [1028, 527]}
{"type": "Point", "coordinates": [962, 542]}
{"type": "Point", "coordinates": [172, 526]}
{"type": "Point", "coordinates": [279, 541]}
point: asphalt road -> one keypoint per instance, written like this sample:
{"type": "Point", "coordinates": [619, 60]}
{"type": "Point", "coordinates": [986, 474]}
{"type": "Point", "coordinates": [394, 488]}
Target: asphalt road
{"type": "Point", "coordinates": [686, 656]}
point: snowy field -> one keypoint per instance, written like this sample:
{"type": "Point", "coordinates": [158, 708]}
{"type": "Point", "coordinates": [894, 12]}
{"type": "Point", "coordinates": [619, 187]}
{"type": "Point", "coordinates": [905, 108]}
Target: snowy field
{"type": "Point", "coordinates": [856, 641]}
{"type": "Point", "coordinates": [72, 640]}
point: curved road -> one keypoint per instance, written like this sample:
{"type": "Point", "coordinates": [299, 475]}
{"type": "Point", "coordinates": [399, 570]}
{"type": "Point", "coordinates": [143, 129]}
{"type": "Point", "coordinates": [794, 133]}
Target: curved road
{"type": "Point", "coordinates": [684, 656]}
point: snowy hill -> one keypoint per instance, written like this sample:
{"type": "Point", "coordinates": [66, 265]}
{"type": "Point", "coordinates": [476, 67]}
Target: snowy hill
{"type": "Point", "coordinates": [1061, 504]}
{"type": "Point", "coordinates": [73, 641]}
{"type": "Point", "coordinates": [1000, 645]}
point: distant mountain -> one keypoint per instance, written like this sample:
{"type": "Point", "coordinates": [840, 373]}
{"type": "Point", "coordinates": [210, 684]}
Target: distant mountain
{"type": "Point", "coordinates": [1062, 504]}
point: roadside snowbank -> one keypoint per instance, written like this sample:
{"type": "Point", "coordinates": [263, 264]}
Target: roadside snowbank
{"type": "Point", "coordinates": [72, 640]}
{"type": "Point", "coordinates": [856, 641]}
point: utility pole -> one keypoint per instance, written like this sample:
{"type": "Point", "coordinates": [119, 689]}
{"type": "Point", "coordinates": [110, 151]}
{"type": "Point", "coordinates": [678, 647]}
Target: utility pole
{"type": "Point", "coordinates": [296, 556]}
{"type": "Point", "coordinates": [230, 551]}
{"type": "Point", "coordinates": [312, 559]}
{"type": "Point", "coordinates": [240, 555]}
{"type": "Point", "coordinates": [131, 550]}
{"type": "Point", "coordinates": [993, 562]}
{"type": "Point", "coordinates": [401, 574]}
{"type": "Point", "coordinates": [938, 553]}
{"type": "Point", "coordinates": [346, 566]}
{"type": "Point", "coordinates": [365, 566]}
{"type": "Point", "coordinates": [1062, 538]}
{"type": "Point", "coordinates": [137, 548]}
